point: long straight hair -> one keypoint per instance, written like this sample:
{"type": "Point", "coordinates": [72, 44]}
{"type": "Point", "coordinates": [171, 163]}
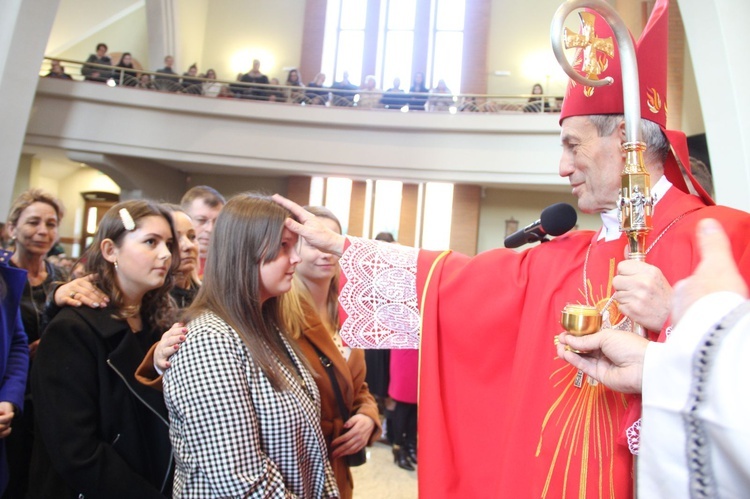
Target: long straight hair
{"type": "Point", "coordinates": [293, 303]}
{"type": "Point", "coordinates": [157, 307]}
{"type": "Point", "coordinates": [247, 234]}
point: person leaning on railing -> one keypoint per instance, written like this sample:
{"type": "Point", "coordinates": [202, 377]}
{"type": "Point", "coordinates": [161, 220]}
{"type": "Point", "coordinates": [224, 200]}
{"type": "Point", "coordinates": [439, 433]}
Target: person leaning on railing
{"type": "Point", "coordinates": [56, 70]}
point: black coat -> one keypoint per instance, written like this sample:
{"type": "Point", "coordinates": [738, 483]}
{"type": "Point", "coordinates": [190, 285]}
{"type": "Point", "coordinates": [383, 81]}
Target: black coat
{"type": "Point", "coordinates": [99, 432]}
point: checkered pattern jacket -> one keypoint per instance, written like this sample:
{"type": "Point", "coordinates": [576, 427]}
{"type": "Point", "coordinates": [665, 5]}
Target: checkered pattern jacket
{"type": "Point", "coordinates": [233, 435]}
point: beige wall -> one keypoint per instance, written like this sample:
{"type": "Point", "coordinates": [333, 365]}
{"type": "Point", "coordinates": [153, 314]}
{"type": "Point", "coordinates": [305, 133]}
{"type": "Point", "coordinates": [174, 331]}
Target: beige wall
{"type": "Point", "coordinates": [77, 20]}
{"type": "Point", "coordinates": [692, 116]}
{"type": "Point", "coordinates": [121, 34]}
{"type": "Point", "coordinates": [241, 30]}
{"type": "Point", "coordinates": [190, 34]}
{"type": "Point", "coordinates": [499, 205]}
{"type": "Point", "coordinates": [519, 43]}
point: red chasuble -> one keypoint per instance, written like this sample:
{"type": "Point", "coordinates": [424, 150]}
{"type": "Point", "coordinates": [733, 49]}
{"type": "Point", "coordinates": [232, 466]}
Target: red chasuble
{"type": "Point", "coordinates": [499, 413]}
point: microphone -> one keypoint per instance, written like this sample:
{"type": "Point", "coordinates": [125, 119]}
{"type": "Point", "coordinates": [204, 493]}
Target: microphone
{"type": "Point", "coordinates": [556, 220]}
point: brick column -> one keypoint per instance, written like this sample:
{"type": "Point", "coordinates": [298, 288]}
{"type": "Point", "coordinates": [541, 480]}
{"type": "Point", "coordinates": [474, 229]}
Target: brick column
{"type": "Point", "coordinates": [407, 225]}
{"type": "Point", "coordinates": [465, 218]}
{"type": "Point", "coordinates": [298, 189]}
{"type": "Point", "coordinates": [476, 36]}
{"type": "Point", "coordinates": [313, 33]}
{"type": "Point", "coordinates": [675, 67]}
{"type": "Point", "coordinates": [357, 208]}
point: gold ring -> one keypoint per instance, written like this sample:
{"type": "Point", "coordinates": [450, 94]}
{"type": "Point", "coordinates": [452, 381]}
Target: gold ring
{"type": "Point", "coordinates": [73, 294]}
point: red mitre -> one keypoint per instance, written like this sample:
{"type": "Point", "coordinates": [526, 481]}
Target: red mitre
{"type": "Point", "coordinates": [598, 57]}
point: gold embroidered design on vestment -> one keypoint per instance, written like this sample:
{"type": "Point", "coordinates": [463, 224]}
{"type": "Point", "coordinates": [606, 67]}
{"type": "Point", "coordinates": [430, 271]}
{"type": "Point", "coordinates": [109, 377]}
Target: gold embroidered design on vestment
{"type": "Point", "coordinates": [586, 419]}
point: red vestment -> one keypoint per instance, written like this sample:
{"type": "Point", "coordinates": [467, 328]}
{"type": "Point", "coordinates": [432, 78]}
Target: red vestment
{"type": "Point", "coordinates": [499, 415]}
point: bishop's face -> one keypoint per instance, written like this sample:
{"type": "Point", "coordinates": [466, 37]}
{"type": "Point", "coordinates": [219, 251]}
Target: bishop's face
{"type": "Point", "coordinates": [592, 164]}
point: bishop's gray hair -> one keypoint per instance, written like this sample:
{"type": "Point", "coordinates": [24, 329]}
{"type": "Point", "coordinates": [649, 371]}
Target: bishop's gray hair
{"type": "Point", "coordinates": [657, 146]}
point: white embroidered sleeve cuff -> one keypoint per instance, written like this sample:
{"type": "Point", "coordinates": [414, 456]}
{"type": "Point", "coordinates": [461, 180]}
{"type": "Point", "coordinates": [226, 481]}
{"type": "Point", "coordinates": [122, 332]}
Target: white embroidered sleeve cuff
{"type": "Point", "coordinates": [380, 295]}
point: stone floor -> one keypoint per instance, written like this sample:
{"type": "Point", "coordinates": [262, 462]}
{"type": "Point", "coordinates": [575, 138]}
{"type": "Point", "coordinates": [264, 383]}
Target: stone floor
{"type": "Point", "coordinates": [381, 478]}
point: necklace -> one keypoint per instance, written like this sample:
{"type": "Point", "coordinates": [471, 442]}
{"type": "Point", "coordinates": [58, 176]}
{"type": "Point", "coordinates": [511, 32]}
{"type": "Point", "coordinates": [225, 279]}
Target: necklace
{"type": "Point", "coordinates": [32, 292]}
{"type": "Point", "coordinates": [648, 250]}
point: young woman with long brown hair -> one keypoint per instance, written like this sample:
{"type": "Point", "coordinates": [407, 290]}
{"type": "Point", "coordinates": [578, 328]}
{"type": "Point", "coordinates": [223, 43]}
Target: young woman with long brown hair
{"type": "Point", "coordinates": [243, 406]}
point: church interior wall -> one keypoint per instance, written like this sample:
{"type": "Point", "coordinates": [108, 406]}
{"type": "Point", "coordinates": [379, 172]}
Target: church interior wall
{"type": "Point", "coordinates": [692, 116]}
{"type": "Point", "coordinates": [499, 205]}
{"type": "Point", "coordinates": [238, 31]}
{"type": "Point", "coordinates": [519, 43]}
{"type": "Point", "coordinates": [128, 33]}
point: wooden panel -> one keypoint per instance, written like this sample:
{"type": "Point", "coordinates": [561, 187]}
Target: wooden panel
{"type": "Point", "coordinates": [357, 208]}
{"type": "Point", "coordinates": [313, 32]}
{"type": "Point", "coordinates": [465, 218]}
{"type": "Point", "coordinates": [407, 225]}
{"type": "Point", "coordinates": [476, 38]}
{"type": "Point", "coordinates": [298, 189]}
{"type": "Point", "coordinates": [675, 67]}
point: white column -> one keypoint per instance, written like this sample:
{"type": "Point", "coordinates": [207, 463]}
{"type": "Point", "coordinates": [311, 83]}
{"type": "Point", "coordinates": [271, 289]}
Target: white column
{"type": "Point", "coordinates": [24, 30]}
{"type": "Point", "coordinates": [718, 38]}
{"type": "Point", "coordinates": [161, 32]}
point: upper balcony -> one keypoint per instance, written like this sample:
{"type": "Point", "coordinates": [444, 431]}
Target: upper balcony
{"type": "Point", "coordinates": [136, 130]}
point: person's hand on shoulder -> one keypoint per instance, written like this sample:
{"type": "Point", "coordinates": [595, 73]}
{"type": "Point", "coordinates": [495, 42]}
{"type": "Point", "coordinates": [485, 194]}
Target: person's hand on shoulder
{"type": "Point", "coordinates": [169, 344]}
{"type": "Point", "coordinates": [81, 291]}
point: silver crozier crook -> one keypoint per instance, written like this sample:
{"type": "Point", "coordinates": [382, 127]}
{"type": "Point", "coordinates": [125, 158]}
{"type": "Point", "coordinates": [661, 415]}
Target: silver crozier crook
{"type": "Point", "coordinates": [635, 201]}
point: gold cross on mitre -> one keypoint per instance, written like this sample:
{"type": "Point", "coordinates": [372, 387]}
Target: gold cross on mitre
{"type": "Point", "coordinates": [588, 41]}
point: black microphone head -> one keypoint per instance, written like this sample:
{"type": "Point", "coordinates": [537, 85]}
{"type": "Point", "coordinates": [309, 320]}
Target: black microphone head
{"type": "Point", "coordinates": [559, 218]}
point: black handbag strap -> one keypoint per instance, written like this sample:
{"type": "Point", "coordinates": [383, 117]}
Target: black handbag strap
{"type": "Point", "coordinates": [328, 365]}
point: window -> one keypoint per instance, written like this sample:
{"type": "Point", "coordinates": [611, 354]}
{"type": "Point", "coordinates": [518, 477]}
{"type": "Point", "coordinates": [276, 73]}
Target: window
{"type": "Point", "coordinates": [344, 42]}
{"type": "Point", "coordinates": [338, 195]}
{"type": "Point", "coordinates": [382, 208]}
{"type": "Point", "coordinates": [438, 209]}
{"type": "Point", "coordinates": [410, 35]}
{"type": "Point", "coordinates": [448, 43]}
{"type": "Point", "coordinates": [387, 209]}
{"type": "Point", "coordinates": [397, 47]}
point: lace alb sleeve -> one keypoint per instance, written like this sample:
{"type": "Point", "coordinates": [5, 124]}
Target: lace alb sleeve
{"type": "Point", "coordinates": [380, 295]}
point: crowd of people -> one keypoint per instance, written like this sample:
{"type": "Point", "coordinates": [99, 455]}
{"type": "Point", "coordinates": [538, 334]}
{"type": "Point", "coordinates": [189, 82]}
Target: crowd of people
{"type": "Point", "coordinates": [92, 388]}
{"type": "Point", "coordinates": [255, 85]}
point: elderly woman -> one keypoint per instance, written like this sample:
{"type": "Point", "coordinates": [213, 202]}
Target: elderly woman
{"type": "Point", "coordinates": [33, 226]}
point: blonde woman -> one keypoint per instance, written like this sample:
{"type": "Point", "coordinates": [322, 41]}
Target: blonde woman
{"type": "Point", "coordinates": [310, 312]}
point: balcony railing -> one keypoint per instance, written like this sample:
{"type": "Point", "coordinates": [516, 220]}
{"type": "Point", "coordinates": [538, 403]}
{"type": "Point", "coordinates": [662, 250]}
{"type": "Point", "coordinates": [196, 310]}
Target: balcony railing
{"type": "Point", "coordinates": [304, 96]}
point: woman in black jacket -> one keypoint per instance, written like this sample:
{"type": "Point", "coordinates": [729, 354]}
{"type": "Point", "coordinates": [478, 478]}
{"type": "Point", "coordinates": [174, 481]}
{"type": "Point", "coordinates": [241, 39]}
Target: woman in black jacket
{"type": "Point", "coordinates": [99, 432]}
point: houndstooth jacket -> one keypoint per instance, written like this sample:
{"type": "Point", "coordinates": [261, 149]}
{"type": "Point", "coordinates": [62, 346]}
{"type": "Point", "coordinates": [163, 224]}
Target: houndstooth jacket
{"type": "Point", "coordinates": [233, 435]}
